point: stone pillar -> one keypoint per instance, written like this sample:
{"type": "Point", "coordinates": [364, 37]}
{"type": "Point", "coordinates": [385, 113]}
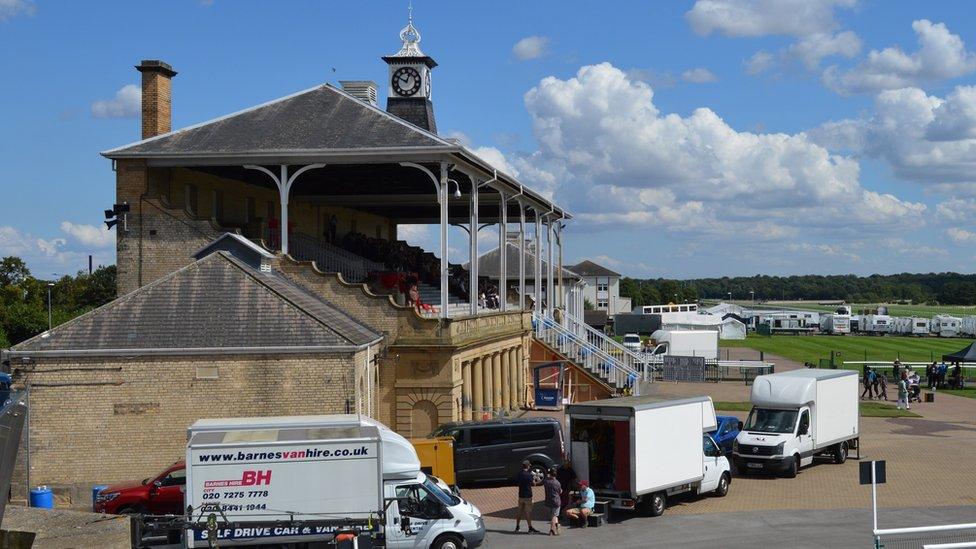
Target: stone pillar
{"type": "Point", "coordinates": [466, 391]}
{"type": "Point", "coordinates": [506, 381]}
{"type": "Point", "coordinates": [513, 376]}
{"type": "Point", "coordinates": [477, 388]}
{"type": "Point", "coordinates": [487, 382]}
{"type": "Point", "coordinates": [520, 364]}
{"type": "Point", "coordinates": [496, 381]}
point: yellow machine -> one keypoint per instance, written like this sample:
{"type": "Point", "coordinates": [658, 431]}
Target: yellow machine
{"type": "Point", "coordinates": [436, 457]}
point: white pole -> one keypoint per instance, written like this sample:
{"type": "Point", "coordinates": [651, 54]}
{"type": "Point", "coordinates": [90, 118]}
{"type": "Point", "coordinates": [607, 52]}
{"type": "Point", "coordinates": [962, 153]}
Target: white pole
{"type": "Point", "coordinates": [503, 253]}
{"type": "Point", "coordinates": [283, 198]}
{"type": "Point", "coordinates": [473, 264]}
{"type": "Point", "coordinates": [874, 499]}
{"type": "Point", "coordinates": [444, 226]}
{"type": "Point", "coordinates": [521, 255]}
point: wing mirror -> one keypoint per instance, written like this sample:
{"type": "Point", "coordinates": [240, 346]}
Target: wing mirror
{"type": "Point", "coordinates": [740, 425]}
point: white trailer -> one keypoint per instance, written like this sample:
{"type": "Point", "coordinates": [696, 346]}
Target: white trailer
{"type": "Point", "coordinates": [298, 480]}
{"type": "Point", "coordinates": [876, 324]}
{"type": "Point", "coordinates": [917, 326]}
{"type": "Point", "coordinates": [795, 416]}
{"type": "Point", "coordinates": [946, 325]}
{"type": "Point", "coordinates": [636, 451]}
{"type": "Point", "coordinates": [702, 343]}
{"type": "Point", "coordinates": [968, 326]}
{"type": "Point", "coordinates": [835, 323]}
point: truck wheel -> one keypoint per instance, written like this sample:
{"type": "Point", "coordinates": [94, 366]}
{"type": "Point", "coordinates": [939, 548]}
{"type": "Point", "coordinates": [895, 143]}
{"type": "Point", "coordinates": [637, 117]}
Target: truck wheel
{"type": "Point", "coordinates": [131, 510]}
{"type": "Point", "coordinates": [448, 541]}
{"type": "Point", "coordinates": [840, 453]}
{"type": "Point", "coordinates": [723, 485]}
{"type": "Point", "coordinates": [794, 467]}
{"type": "Point", "coordinates": [656, 504]}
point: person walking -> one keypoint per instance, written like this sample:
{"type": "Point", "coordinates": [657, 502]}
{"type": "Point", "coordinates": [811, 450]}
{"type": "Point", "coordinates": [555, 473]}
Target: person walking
{"type": "Point", "coordinates": [881, 386]}
{"type": "Point", "coordinates": [903, 392]}
{"type": "Point", "coordinates": [525, 481]}
{"type": "Point", "coordinates": [940, 377]}
{"type": "Point", "coordinates": [930, 375]}
{"type": "Point", "coordinates": [553, 500]}
{"type": "Point", "coordinates": [868, 380]}
{"type": "Point", "coordinates": [896, 370]}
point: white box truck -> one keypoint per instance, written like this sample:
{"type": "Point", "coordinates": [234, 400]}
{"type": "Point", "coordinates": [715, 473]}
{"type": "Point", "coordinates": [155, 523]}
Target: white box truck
{"type": "Point", "coordinates": [702, 343]}
{"type": "Point", "coordinates": [638, 450]}
{"type": "Point", "coordinates": [295, 480]}
{"type": "Point", "coordinates": [795, 416]}
{"type": "Point", "coordinates": [835, 323]}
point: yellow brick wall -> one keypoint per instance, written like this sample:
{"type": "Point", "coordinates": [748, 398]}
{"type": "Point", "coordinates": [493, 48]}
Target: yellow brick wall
{"type": "Point", "coordinates": [113, 419]}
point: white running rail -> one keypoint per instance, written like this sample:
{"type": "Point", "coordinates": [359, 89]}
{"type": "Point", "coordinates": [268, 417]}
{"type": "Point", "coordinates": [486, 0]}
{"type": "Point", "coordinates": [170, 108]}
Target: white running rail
{"type": "Point", "coordinates": [591, 357]}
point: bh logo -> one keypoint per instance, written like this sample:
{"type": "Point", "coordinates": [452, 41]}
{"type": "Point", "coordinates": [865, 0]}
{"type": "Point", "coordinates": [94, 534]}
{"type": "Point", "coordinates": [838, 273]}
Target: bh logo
{"type": "Point", "coordinates": [256, 478]}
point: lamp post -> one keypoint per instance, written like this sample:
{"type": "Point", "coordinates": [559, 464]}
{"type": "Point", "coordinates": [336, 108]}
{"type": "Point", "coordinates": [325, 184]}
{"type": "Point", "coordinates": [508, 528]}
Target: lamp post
{"type": "Point", "coordinates": [752, 296]}
{"type": "Point", "coordinates": [730, 296]}
{"type": "Point", "coordinates": [49, 286]}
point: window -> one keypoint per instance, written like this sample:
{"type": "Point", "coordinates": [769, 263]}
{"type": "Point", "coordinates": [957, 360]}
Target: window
{"type": "Point", "coordinates": [174, 478]}
{"type": "Point", "coordinates": [602, 284]}
{"type": "Point", "coordinates": [417, 501]}
{"type": "Point", "coordinates": [708, 446]}
{"type": "Point", "coordinates": [726, 428]}
{"type": "Point", "coordinates": [190, 198]}
{"type": "Point", "coordinates": [532, 433]}
{"type": "Point", "coordinates": [489, 436]}
{"type": "Point", "coordinates": [249, 209]}
{"type": "Point", "coordinates": [602, 304]}
{"type": "Point", "coordinates": [217, 198]}
{"type": "Point", "coordinates": [804, 423]}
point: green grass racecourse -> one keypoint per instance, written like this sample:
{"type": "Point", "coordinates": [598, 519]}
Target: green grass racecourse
{"type": "Point", "coordinates": [812, 348]}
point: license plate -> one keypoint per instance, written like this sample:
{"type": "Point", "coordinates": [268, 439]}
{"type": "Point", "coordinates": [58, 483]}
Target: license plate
{"type": "Point", "coordinates": [754, 465]}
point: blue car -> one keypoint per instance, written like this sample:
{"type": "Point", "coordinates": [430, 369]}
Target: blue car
{"type": "Point", "coordinates": [728, 428]}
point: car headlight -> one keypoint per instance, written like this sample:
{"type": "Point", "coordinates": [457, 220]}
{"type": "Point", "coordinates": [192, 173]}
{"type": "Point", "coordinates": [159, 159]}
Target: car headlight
{"type": "Point", "coordinates": [735, 445]}
{"type": "Point", "coordinates": [779, 448]}
{"type": "Point", "coordinates": [105, 497]}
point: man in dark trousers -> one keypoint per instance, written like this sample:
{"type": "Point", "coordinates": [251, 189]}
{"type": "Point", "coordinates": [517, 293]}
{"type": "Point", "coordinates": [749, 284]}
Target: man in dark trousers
{"type": "Point", "coordinates": [566, 476]}
{"type": "Point", "coordinates": [525, 481]}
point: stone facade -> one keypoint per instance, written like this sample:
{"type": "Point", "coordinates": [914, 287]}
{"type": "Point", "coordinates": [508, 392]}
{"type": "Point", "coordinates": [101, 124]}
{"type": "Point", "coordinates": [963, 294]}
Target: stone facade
{"type": "Point", "coordinates": [100, 420]}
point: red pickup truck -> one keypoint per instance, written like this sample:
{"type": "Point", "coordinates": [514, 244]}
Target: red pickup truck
{"type": "Point", "coordinates": [159, 495]}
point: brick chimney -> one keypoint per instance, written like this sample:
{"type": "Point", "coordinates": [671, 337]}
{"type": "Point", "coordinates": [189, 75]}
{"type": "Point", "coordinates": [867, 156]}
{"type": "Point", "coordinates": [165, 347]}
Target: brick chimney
{"type": "Point", "coordinates": [156, 97]}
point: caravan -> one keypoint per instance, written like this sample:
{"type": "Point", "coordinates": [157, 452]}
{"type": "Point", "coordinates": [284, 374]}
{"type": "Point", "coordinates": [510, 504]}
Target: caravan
{"type": "Point", "coordinates": [917, 326]}
{"type": "Point", "coordinates": [968, 326]}
{"type": "Point", "coordinates": [835, 323]}
{"type": "Point", "coordinates": [876, 324]}
{"type": "Point", "coordinates": [946, 325]}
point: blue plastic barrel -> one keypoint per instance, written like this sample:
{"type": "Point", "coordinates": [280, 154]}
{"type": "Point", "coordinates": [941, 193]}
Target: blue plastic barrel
{"type": "Point", "coordinates": [42, 497]}
{"type": "Point", "coordinates": [95, 490]}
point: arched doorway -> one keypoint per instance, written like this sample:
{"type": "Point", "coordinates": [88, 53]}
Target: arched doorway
{"type": "Point", "coordinates": [423, 418]}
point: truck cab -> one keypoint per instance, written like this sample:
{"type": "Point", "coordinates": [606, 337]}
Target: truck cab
{"type": "Point", "coordinates": [422, 514]}
{"type": "Point", "coordinates": [771, 438]}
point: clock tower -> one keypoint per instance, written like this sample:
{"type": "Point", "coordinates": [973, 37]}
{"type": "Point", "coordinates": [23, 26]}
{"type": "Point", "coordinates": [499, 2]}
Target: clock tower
{"type": "Point", "coordinates": [408, 96]}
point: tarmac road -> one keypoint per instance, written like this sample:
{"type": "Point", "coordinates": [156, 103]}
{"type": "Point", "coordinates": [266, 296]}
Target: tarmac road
{"type": "Point", "coordinates": [832, 528]}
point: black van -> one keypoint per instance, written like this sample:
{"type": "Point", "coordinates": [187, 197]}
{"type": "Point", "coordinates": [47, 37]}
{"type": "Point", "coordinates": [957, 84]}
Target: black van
{"type": "Point", "coordinates": [493, 451]}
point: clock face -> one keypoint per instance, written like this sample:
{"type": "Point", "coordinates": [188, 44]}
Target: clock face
{"type": "Point", "coordinates": [406, 81]}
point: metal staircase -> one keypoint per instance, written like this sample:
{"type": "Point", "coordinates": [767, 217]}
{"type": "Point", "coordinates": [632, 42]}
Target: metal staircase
{"type": "Point", "coordinates": [592, 350]}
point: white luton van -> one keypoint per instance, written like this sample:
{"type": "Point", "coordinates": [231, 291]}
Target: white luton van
{"type": "Point", "coordinates": [795, 416]}
{"type": "Point", "coordinates": [295, 481]}
{"type": "Point", "coordinates": [638, 450]}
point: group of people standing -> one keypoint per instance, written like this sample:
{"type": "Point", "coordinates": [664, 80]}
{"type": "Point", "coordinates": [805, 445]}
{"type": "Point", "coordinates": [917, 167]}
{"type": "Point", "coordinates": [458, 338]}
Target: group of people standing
{"type": "Point", "coordinates": [936, 376]}
{"type": "Point", "coordinates": [558, 485]}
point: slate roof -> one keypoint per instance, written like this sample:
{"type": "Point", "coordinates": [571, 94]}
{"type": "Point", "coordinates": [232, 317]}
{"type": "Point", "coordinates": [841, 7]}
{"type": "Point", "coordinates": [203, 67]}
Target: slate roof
{"type": "Point", "coordinates": [589, 268]}
{"type": "Point", "coordinates": [320, 119]}
{"type": "Point", "coordinates": [488, 264]}
{"type": "Point", "coordinates": [216, 302]}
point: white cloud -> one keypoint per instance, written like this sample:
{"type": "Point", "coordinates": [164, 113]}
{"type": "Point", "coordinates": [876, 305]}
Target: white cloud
{"type": "Point", "coordinates": [530, 47]}
{"type": "Point", "coordinates": [764, 17]}
{"type": "Point", "coordinates": [761, 61]}
{"type": "Point", "coordinates": [616, 159]}
{"type": "Point", "coordinates": [47, 258]}
{"type": "Point", "coordinates": [126, 104]}
{"type": "Point", "coordinates": [961, 236]}
{"type": "Point", "coordinates": [89, 235]}
{"type": "Point", "coordinates": [941, 55]}
{"type": "Point", "coordinates": [12, 8]}
{"type": "Point", "coordinates": [960, 210]}
{"type": "Point", "coordinates": [823, 250]}
{"type": "Point", "coordinates": [699, 75]}
{"type": "Point", "coordinates": [924, 138]}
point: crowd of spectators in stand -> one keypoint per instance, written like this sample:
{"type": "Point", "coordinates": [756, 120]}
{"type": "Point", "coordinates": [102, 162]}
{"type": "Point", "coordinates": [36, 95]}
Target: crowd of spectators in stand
{"type": "Point", "coordinates": [400, 257]}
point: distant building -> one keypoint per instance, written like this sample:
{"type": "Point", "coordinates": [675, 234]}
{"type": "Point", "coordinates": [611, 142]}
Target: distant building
{"type": "Point", "coordinates": [602, 288]}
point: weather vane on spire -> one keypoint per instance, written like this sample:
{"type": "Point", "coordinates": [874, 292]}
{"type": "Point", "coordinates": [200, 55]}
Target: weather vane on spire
{"type": "Point", "coordinates": [410, 37]}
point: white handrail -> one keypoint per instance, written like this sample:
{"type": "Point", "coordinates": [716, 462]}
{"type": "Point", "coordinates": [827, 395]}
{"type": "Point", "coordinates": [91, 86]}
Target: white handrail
{"type": "Point", "coordinates": [924, 529]}
{"type": "Point", "coordinates": [584, 353]}
{"type": "Point", "coordinates": [607, 344]}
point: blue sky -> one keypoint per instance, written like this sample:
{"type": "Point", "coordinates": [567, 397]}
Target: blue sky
{"type": "Point", "coordinates": [698, 138]}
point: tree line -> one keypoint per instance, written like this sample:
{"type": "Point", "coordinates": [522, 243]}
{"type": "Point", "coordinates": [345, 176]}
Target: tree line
{"type": "Point", "coordinates": [931, 288]}
{"type": "Point", "coordinates": [23, 298]}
